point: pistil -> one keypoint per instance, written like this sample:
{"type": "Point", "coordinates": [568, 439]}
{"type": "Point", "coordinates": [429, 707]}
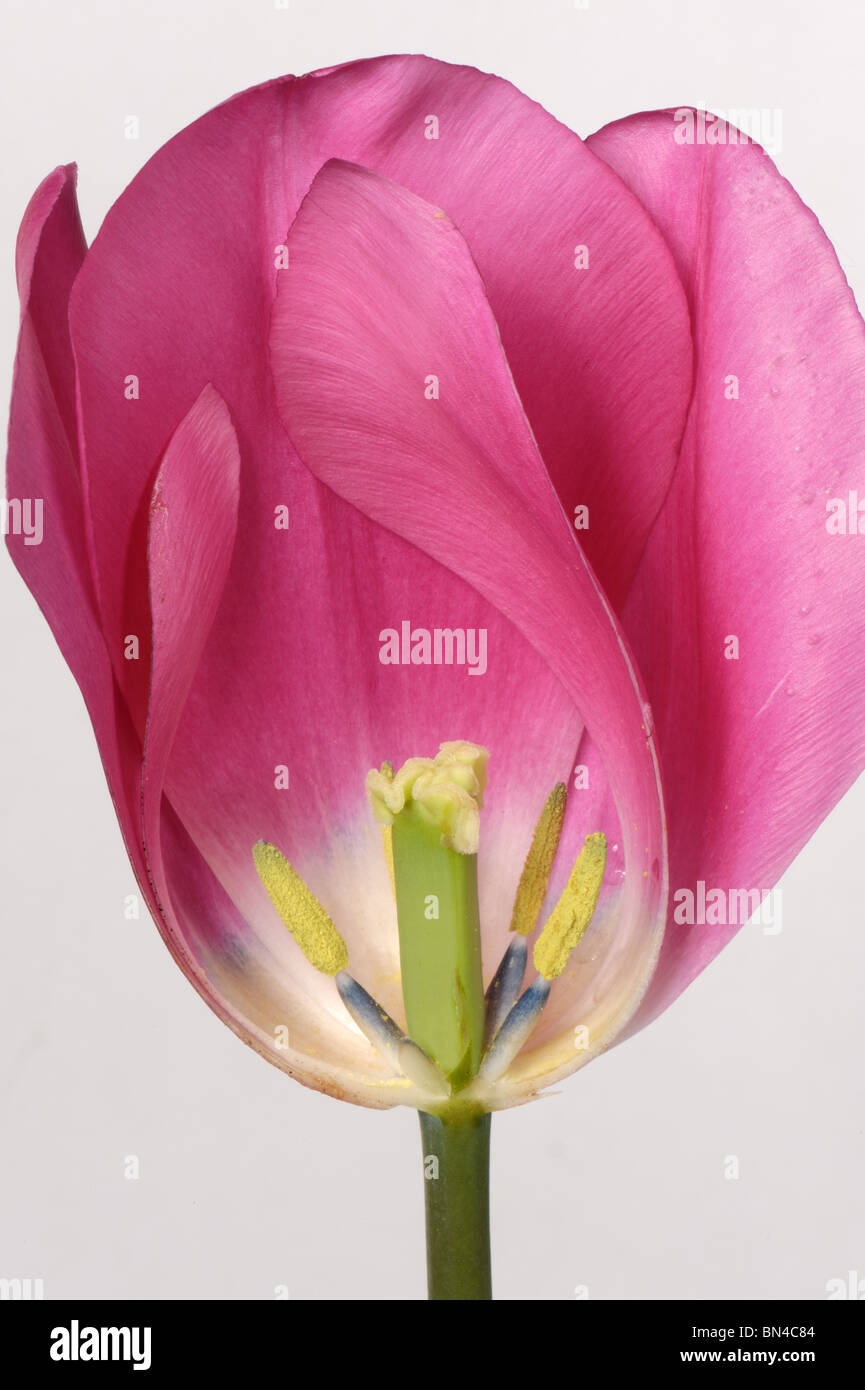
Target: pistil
{"type": "Point", "coordinates": [433, 806]}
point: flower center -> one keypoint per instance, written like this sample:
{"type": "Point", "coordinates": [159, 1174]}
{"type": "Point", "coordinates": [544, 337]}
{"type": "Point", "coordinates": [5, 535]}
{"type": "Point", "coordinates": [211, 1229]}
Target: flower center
{"type": "Point", "coordinates": [430, 816]}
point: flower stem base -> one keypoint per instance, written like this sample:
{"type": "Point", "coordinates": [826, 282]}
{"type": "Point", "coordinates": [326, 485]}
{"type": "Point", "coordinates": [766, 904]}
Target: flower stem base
{"type": "Point", "coordinates": [457, 1193]}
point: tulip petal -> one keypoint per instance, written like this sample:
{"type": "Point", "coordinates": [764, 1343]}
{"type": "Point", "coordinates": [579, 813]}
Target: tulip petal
{"type": "Point", "coordinates": [193, 522]}
{"type": "Point", "coordinates": [48, 256]}
{"type": "Point", "coordinates": [178, 284]}
{"type": "Point", "coordinates": [381, 290]}
{"type": "Point", "coordinates": [42, 469]}
{"type": "Point", "coordinates": [746, 612]}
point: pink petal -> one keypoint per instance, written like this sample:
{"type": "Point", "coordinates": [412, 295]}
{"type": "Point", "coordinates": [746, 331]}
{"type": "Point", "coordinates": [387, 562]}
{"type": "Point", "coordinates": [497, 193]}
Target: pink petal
{"type": "Point", "coordinates": [382, 291]}
{"type": "Point", "coordinates": [42, 468]}
{"type": "Point", "coordinates": [193, 521]}
{"type": "Point", "coordinates": [178, 286]}
{"type": "Point", "coordinates": [755, 751]}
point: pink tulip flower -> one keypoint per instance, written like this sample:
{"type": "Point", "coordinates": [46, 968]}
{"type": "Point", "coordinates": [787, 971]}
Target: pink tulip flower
{"type": "Point", "coordinates": [384, 412]}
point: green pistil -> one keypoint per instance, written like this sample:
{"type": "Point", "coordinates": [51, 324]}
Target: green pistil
{"type": "Point", "coordinates": [440, 945]}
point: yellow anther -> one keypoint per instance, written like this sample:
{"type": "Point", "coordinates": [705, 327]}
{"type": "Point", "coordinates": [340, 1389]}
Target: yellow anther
{"type": "Point", "coordinates": [300, 910]}
{"type": "Point", "coordinates": [532, 888]}
{"type": "Point", "coordinates": [573, 912]}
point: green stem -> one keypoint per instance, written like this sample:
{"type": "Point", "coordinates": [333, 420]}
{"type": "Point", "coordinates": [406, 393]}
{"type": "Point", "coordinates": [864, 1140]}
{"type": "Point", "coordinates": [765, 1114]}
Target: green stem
{"type": "Point", "coordinates": [456, 1152]}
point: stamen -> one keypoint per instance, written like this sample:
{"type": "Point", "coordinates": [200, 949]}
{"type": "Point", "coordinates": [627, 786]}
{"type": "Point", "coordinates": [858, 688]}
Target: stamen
{"type": "Point", "coordinates": [562, 932]}
{"type": "Point", "coordinates": [388, 1038]}
{"type": "Point", "coordinates": [515, 1030]}
{"type": "Point", "coordinates": [573, 911]}
{"type": "Point", "coordinates": [300, 910]}
{"type": "Point", "coordinates": [532, 888]}
{"type": "Point", "coordinates": [422, 1070]}
{"type": "Point", "coordinates": [504, 987]}
{"type": "Point", "coordinates": [373, 1021]}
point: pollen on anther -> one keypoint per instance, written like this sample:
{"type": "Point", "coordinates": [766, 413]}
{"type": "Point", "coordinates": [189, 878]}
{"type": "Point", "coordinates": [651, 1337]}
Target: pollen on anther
{"type": "Point", "coordinates": [573, 912]}
{"type": "Point", "coordinates": [300, 910]}
{"type": "Point", "coordinates": [532, 887]}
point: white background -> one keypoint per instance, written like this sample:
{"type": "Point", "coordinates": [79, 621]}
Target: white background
{"type": "Point", "coordinates": [248, 1181]}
